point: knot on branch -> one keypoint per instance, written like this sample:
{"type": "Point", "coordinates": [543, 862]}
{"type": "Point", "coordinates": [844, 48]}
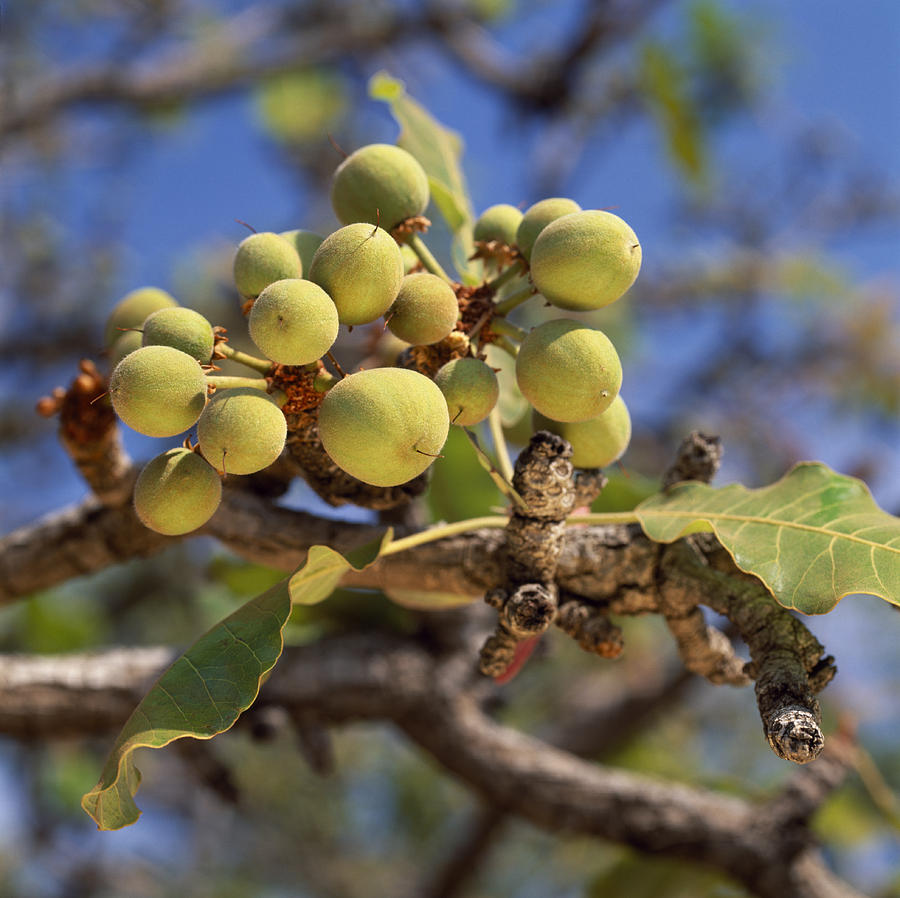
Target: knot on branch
{"type": "Point", "coordinates": [795, 735]}
{"type": "Point", "coordinates": [591, 628]}
{"type": "Point", "coordinates": [699, 457]}
{"type": "Point", "coordinates": [529, 611]}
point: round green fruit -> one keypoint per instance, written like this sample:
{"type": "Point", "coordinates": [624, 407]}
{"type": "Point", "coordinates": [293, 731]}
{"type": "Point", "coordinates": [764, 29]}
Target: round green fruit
{"type": "Point", "coordinates": [425, 309]}
{"type": "Point", "coordinates": [125, 343]}
{"type": "Point", "coordinates": [159, 391]}
{"type": "Point", "coordinates": [500, 222]}
{"type": "Point", "coordinates": [261, 259]}
{"type": "Point", "coordinates": [360, 267]}
{"type": "Point", "coordinates": [585, 260]}
{"type": "Point", "coordinates": [181, 328]}
{"type": "Point", "coordinates": [176, 492]}
{"type": "Point", "coordinates": [597, 442]}
{"type": "Point", "coordinates": [293, 322]}
{"type": "Point", "coordinates": [381, 184]}
{"type": "Point", "coordinates": [568, 371]}
{"type": "Point", "coordinates": [471, 389]}
{"type": "Point", "coordinates": [306, 243]}
{"type": "Point", "coordinates": [130, 311]}
{"type": "Point", "coordinates": [537, 217]}
{"type": "Point", "coordinates": [241, 430]}
{"type": "Point", "coordinates": [384, 426]}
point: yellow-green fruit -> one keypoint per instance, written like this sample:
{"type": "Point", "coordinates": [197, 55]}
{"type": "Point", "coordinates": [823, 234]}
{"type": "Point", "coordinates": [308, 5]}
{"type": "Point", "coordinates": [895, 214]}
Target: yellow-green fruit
{"type": "Point", "coordinates": [568, 371]}
{"type": "Point", "coordinates": [241, 430]}
{"type": "Point", "coordinates": [293, 322]}
{"type": "Point", "coordinates": [381, 184]}
{"type": "Point", "coordinates": [585, 260]}
{"type": "Point", "coordinates": [126, 342]}
{"type": "Point", "coordinates": [182, 328]}
{"type": "Point", "coordinates": [597, 442]}
{"type": "Point", "coordinates": [384, 426]}
{"type": "Point", "coordinates": [537, 217]}
{"type": "Point", "coordinates": [360, 268]}
{"type": "Point", "coordinates": [261, 259]}
{"type": "Point", "coordinates": [470, 388]}
{"type": "Point", "coordinates": [159, 391]}
{"type": "Point", "coordinates": [176, 492]}
{"type": "Point", "coordinates": [500, 222]}
{"type": "Point", "coordinates": [305, 242]}
{"type": "Point", "coordinates": [425, 309]}
{"type": "Point", "coordinates": [133, 308]}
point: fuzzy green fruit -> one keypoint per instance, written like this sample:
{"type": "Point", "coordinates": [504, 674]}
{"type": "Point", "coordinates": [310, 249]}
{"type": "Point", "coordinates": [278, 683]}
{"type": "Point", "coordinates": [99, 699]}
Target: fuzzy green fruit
{"type": "Point", "coordinates": [125, 343]}
{"type": "Point", "coordinates": [537, 217]}
{"type": "Point", "coordinates": [360, 268]}
{"type": "Point", "coordinates": [470, 388]}
{"type": "Point", "coordinates": [425, 309]}
{"type": "Point", "coordinates": [306, 243]}
{"type": "Point", "coordinates": [597, 442]}
{"type": "Point", "coordinates": [568, 371]}
{"type": "Point", "coordinates": [293, 322]}
{"type": "Point", "coordinates": [159, 391]}
{"type": "Point", "coordinates": [381, 184]}
{"type": "Point", "coordinates": [176, 492]}
{"type": "Point", "coordinates": [241, 430]}
{"type": "Point", "coordinates": [261, 259]}
{"type": "Point", "coordinates": [130, 311]}
{"type": "Point", "coordinates": [585, 260]}
{"type": "Point", "coordinates": [500, 222]}
{"type": "Point", "coordinates": [182, 328]}
{"type": "Point", "coordinates": [384, 426]}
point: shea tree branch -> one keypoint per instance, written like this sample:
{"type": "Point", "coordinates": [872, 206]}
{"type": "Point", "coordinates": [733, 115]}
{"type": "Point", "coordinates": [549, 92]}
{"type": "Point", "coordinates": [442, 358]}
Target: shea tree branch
{"type": "Point", "coordinates": [379, 677]}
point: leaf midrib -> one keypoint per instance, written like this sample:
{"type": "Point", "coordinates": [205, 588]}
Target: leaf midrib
{"type": "Point", "coordinates": [754, 519]}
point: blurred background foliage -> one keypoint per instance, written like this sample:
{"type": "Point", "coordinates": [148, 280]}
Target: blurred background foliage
{"type": "Point", "coordinates": [133, 135]}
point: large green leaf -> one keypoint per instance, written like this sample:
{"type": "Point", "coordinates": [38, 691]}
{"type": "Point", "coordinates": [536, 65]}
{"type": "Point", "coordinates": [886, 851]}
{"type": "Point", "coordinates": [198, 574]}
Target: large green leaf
{"type": "Point", "coordinates": [438, 150]}
{"type": "Point", "coordinates": [205, 690]}
{"type": "Point", "coordinates": [813, 537]}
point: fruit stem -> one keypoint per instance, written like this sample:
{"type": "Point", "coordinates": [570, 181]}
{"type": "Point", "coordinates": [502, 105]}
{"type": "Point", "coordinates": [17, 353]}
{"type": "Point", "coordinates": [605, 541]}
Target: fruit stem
{"type": "Point", "coordinates": [506, 329]}
{"type": "Point", "coordinates": [441, 531]}
{"type": "Point", "coordinates": [604, 517]}
{"type": "Point", "coordinates": [514, 299]}
{"type": "Point", "coordinates": [507, 346]}
{"type": "Point", "coordinates": [500, 448]}
{"type": "Point", "coordinates": [512, 271]}
{"type": "Point", "coordinates": [426, 258]}
{"type": "Point", "coordinates": [225, 382]}
{"type": "Point", "coordinates": [264, 366]}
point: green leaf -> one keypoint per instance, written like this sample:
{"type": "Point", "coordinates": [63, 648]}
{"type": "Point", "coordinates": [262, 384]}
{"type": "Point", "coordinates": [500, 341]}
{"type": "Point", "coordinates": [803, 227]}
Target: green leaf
{"type": "Point", "coordinates": [438, 150]}
{"type": "Point", "coordinates": [324, 568]}
{"type": "Point", "coordinates": [205, 690]}
{"type": "Point", "coordinates": [200, 695]}
{"type": "Point", "coordinates": [813, 537]}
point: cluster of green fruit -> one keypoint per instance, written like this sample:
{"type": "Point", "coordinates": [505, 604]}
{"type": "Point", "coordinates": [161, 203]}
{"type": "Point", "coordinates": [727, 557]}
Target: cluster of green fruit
{"type": "Point", "coordinates": [384, 426]}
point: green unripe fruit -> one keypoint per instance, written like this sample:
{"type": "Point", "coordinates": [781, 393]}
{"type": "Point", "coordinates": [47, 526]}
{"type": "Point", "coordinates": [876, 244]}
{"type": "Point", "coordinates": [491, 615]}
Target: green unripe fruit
{"type": "Point", "coordinates": [261, 259]}
{"type": "Point", "coordinates": [585, 260]}
{"type": "Point", "coordinates": [306, 243]}
{"type": "Point", "coordinates": [293, 322]}
{"type": "Point", "coordinates": [133, 308]}
{"type": "Point", "coordinates": [176, 492]}
{"type": "Point", "coordinates": [500, 222]}
{"type": "Point", "coordinates": [125, 343]}
{"type": "Point", "coordinates": [537, 217]}
{"type": "Point", "coordinates": [360, 268]}
{"type": "Point", "coordinates": [159, 391]}
{"type": "Point", "coordinates": [597, 442]}
{"type": "Point", "coordinates": [568, 371]}
{"type": "Point", "coordinates": [470, 388]}
{"type": "Point", "coordinates": [425, 309]}
{"type": "Point", "coordinates": [182, 328]}
{"type": "Point", "coordinates": [384, 426]}
{"type": "Point", "coordinates": [381, 184]}
{"type": "Point", "coordinates": [241, 430]}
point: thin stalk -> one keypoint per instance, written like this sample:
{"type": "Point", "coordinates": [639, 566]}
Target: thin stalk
{"type": "Point", "coordinates": [226, 382]}
{"type": "Point", "coordinates": [264, 366]}
{"type": "Point", "coordinates": [604, 517]}
{"type": "Point", "coordinates": [515, 299]}
{"type": "Point", "coordinates": [440, 531]}
{"type": "Point", "coordinates": [507, 329]}
{"type": "Point", "coordinates": [512, 271]}
{"type": "Point", "coordinates": [426, 258]}
{"type": "Point", "coordinates": [500, 448]}
{"type": "Point", "coordinates": [507, 346]}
